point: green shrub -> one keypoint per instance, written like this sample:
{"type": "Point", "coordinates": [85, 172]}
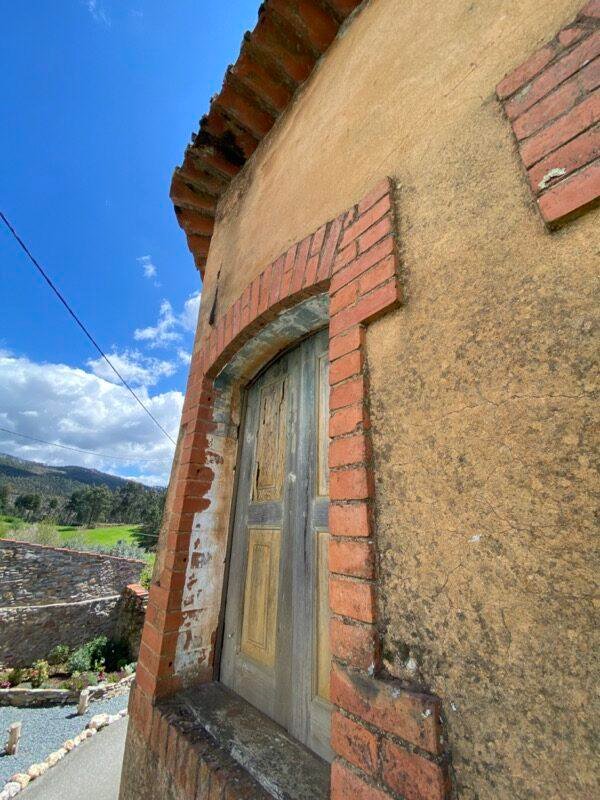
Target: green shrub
{"type": "Point", "coordinates": [100, 653]}
{"type": "Point", "coordinates": [80, 680]}
{"type": "Point", "coordinates": [79, 660]}
{"type": "Point", "coordinates": [125, 549]}
{"type": "Point", "coordinates": [59, 654]}
{"type": "Point", "coordinates": [47, 534]}
{"type": "Point", "coordinates": [76, 682]}
{"type": "Point", "coordinates": [15, 676]}
{"type": "Point", "coordinates": [39, 673]}
{"type": "Point", "coordinates": [146, 576]}
{"type": "Point", "coordinates": [90, 656]}
{"type": "Point", "coordinates": [75, 542]}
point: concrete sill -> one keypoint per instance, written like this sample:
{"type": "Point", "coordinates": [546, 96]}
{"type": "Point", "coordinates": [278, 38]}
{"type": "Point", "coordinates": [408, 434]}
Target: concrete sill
{"type": "Point", "coordinates": [282, 766]}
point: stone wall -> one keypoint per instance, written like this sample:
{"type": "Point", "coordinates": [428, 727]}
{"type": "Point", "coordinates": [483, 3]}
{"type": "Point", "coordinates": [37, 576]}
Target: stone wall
{"type": "Point", "coordinates": [33, 574]}
{"type": "Point", "coordinates": [131, 611]}
{"type": "Point", "coordinates": [53, 596]}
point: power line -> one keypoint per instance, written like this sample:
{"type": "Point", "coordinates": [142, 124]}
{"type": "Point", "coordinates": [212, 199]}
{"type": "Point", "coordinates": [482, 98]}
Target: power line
{"type": "Point", "coordinates": [81, 325]}
{"type": "Point", "coordinates": [78, 450]}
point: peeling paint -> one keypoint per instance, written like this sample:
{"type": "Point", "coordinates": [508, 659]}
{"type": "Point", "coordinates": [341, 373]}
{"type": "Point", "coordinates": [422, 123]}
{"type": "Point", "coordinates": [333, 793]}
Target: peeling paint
{"type": "Point", "coordinates": [203, 589]}
{"type": "Point", "coordinates": [556, 172]}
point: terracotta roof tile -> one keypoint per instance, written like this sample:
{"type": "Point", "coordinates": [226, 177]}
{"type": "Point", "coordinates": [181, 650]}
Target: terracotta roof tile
{"type": "Point", "coordinates": [275, 59]}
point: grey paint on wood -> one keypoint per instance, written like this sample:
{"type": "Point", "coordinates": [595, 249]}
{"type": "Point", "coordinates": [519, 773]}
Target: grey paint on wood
{"type": "Point", "coordinates": [285, 692]}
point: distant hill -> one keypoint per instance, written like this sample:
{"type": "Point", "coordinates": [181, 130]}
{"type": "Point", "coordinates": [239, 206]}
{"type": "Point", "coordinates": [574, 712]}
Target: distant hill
{"type": "Point", "coordinates": [30, 476]}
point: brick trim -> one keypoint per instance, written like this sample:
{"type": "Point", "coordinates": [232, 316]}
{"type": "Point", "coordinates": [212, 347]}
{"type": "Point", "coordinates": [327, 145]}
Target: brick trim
{"type": "Point", "coordinates": [553, 104]}
{"type": "Point", "coordinates": [352, 260]}
{"type": "Point", "coordinates": [197, 767]}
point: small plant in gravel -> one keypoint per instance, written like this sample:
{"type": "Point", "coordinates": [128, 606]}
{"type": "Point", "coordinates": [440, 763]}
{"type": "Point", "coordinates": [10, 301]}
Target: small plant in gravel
{"type": "Point", "coordinates": [59, 655]}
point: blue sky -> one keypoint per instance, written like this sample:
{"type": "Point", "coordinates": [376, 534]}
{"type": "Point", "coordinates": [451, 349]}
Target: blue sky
{"type": "Point", "coordinates": [98, 99]}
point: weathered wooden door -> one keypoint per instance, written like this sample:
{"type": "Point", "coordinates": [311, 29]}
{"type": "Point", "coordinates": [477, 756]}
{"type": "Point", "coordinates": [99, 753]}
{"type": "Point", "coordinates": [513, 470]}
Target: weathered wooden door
{"type": "Point", "coordinates": [276, 637]}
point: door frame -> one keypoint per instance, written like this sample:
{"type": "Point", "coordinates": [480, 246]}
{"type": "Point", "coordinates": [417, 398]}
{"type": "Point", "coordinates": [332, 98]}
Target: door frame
{"type": "Point", "coordinates": [342, 277]}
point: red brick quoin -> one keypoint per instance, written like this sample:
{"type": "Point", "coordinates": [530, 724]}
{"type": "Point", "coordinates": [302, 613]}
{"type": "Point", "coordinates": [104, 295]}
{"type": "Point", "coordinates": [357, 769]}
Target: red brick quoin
{"type": "Point", "coordinates": [387, 739]}
{"type": "Point", "coordinates": [553, 104]}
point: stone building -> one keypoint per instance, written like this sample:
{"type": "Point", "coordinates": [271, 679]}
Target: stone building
{"type": "Point", "coordinates": [375, 577]}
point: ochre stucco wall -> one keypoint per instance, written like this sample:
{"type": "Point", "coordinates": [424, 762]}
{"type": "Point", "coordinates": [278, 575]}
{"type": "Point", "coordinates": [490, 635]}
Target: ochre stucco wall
{"type": "Point", "coordinates": [481, 385]}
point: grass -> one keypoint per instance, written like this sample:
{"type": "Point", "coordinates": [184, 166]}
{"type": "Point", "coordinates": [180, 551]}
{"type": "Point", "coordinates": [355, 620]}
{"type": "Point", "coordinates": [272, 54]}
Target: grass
{"type": "Point", "coordinates": [8, 523]}
{"type": "Point", "coordinates": [106, 537]}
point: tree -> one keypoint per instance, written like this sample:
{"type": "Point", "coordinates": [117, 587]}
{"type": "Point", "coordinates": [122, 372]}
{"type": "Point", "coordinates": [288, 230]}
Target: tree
{"type": "Point", "coordinates": [4, 497]}
{"type": "Point", "coordinates": [129, 503]}
{"type": "Point", "coordinates": [152, 520]}
{"type": "Point", "coordinates": [90, 505]}
{"type": "Point", "coordinates": [28, 505]}
{"type": "Point", "coordinates": [99, 501]}
{"type": "Point", "coordinates": [76, 505]}
{"type": "Point", "coordinates": [52, 504]}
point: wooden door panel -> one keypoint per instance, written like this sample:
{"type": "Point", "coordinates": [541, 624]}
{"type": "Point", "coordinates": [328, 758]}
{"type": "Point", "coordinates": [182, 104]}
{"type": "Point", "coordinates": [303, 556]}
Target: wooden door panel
{"type": "Point", "coordinates": [261, 596]}
{"type": "Point", "coordinates": [269, 462]}
{"type": "Point", "coordinates": [265, 514]}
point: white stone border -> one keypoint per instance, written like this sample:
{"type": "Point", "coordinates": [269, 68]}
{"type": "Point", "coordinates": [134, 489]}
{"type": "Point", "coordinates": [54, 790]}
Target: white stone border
{"type": "Point", "coordinates": [38, 698]}
{"type": "Point", "coordinates": [20, 780]}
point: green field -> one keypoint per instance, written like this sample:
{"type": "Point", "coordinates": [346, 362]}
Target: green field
{"type": "Point", "coordinates": [106, 537]}
{"type": "Point", "coordinates": [8, 523]}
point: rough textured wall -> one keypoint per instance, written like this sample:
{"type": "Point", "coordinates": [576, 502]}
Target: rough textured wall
{"type": "Point", "coordinates": [30, 632]}
{"type": "Point", "coordinates": [51, 596]}
{"type": "Point", "coordinates": [33, 574]}
{"type": "Point", "coordinates": [130, 617]}
{"type": "Point", "coordinates": [482, 385]}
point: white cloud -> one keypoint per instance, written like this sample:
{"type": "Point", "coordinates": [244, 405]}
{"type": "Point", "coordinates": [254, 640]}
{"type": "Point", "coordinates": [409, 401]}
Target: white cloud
{"type": "Point", "coordinates": [184, 356]}
{"type": "Point", "coordinates": [189, 316]}
{"type": "Point", "coordinates": [98, 12]}
{"type": "Point", "coordinates": [80, 409]}
{"type": "Point", "coordinates": [148, 266]}
{"type": "Point", "coordinates": [147, 478]}
{"type": "Point", "coordinates": [170, 327]}
{"type": "Point", "coordinates": [136, 368]}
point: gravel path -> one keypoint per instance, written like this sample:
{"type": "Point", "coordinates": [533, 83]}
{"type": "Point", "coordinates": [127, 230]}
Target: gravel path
{"type": "Point", "coordinates": [45, 729]}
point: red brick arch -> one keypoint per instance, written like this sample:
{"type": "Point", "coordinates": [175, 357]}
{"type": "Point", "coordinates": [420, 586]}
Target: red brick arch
{"type": "Point", "coordinates": [388, 740]}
